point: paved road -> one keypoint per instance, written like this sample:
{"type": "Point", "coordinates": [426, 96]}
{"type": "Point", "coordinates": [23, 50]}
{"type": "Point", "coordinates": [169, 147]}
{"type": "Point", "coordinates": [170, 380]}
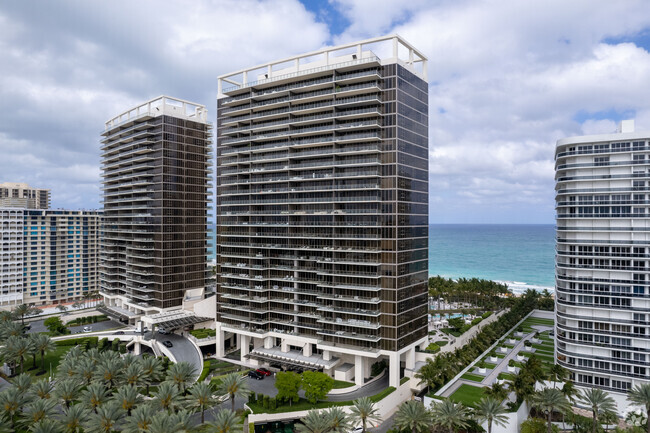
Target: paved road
{"type": "Point", "coordinates": [183, 350]}
{"type": "Point", "coordinates": [37, 326]}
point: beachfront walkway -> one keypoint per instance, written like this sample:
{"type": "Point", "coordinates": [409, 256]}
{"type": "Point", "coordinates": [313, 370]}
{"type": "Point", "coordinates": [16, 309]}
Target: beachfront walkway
{"type": "Point", "coordinates": [456, 342]}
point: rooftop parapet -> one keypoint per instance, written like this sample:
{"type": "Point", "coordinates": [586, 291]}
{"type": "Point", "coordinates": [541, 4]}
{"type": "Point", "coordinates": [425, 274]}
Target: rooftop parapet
{"type": "Point", "coordinates": [162, 105]}
{"type": "Point", "coordinates": [328, 59]}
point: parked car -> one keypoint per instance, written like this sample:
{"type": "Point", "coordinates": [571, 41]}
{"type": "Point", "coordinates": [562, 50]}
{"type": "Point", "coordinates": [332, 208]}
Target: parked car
{"type": "Point", "coordinates": [357, 430]}
{"type": "Point", "coordinates": [88, 329]}
{"type": "Point", "coordinates": [163, 331]}
{"type": "Point", "coordinates": [119, 333]}
{"type": "Point", "coordinates": [264, 372]}
{"type": "Point", "coordinates": [255, 375]}
{"type": "Point", "coordinates": [27, 327]}
{"type": "Point", "coordinates": [167, 343]}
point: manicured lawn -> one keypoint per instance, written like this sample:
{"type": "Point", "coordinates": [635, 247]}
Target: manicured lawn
{"type": "Point", "coordinates": [339, 384]}
{"type": "Point", "coordinates": [450, 331]}
{"type": "Point", "coordinates": [441, 342]}
{"type": "Point", "coordinates": [490, 365]}
{"type": "Point", "coordinates": [506, 376]}
{"type": "Point", "coordinates": [467, 394]}
{"type": "Point", "coordinates": [473, 377]}
{"type": "Point", "coordinates": [52, 359]}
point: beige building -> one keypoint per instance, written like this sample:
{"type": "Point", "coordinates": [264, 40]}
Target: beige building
{"type": "Point", "coordinates": [23, 196]}
{"type": "Point", "coordinates": [48, 256]}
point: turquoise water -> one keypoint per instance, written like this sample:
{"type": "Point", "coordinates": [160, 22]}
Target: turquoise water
{"type": "Point", "coordinates": [523, 254]}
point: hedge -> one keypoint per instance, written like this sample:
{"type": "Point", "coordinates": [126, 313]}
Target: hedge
{"type": "Point", "coordinates": [90, 341]}
{"type": "Point", "coordinates": [205, 371]}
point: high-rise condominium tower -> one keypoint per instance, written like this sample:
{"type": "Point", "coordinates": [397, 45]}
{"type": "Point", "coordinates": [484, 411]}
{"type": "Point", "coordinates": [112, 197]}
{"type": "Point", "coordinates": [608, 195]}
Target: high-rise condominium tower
{"type": "Point", "coordinates": [322, 205]}
{"type": "Point", "coordinates": [603, 248]}
{"type": "Point", "coordinates": [23, 196]}
{"type": "Point", "coordinates": [156, 167]}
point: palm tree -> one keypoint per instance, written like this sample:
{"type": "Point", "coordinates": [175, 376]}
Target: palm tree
{"type": "Point", "coordinates": [152, 370]}
{"type": "Point", "coordinates": [338, 420]}
{"type": "Point", "coordinates": [67, 390]}
{"type": "Point", "coordinates": [364, 410]}
{"type": "Point", "coordinates": [73, 418]}
{"type": "Point", "coordinates": [599, 402]}
{"type": "Point", "coordinates": [94, 396]}
{"type": "Point", "coordinates": [38, 410]}
{"type": "Point", "coordinates": [11, 403]}
{"type": "Point", "coordinates": [313, 422]}
{"type": "Point", "coordinates": [201, 397]}
{"type": "Point", "coordinates": [43, 344]}
{"type": "Point", "coordinates": [550, 400]}
{"type": "Point", "coordinates": [127, 397]}
{"type": "Point", "coordinates": [557, 373]}
{"type": "Point", "coordinates": [46, 426]}
{"type": "Point", "coordinates": [496, 391]}
{"type": "Point", "coordinates": [134, 374]}
{"type": "Point", "coordinates": [450, 415]}
{"type": "Point", "coordinates": [21, 311]}
{"type": "Point", "coordinates": [640, 395]}
{"type": "Point", "coordinates": [234, 385]}
{"type": "Point", "coordinates": [109, 371]}
{"type": "Point", "coordinates": [15, 349]}
{"type": "Point", "coordinates": [140, 419]}
{"type": "Point", "coordinates": [164, 422]}
{"type": "Point", "coordinates": [42, 389]}
{"type": "Point", "coordinates": [85, 370]}
{"type": "Point", "coordinates": [489, 409]}
{"type": "Point", "coordinates": [227, 421]}
{"type": "Point", "coordinates": [411, 415]}
{"type": "Point", "coordinates": [105, 420]}
{"type": "Point", "coordinates": [167, 397]}
{"type": "Point", "coordinates": [570, 392]}
{"type": "Point", "coordinates": [23, 382]}
{"type": "Point", "coordinates": [10, 329]}
{"type": "Point", "coordinates": [181, 374]}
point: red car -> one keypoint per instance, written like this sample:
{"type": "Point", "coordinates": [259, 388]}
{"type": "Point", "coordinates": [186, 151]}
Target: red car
{"type": "Point", "coordinates": [264, 371]}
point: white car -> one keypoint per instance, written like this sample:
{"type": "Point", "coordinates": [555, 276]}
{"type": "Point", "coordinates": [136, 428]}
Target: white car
{"type": "Point", "coordinates": [88, 329]}
{"type": "Point", "coordinates": [356, 430]}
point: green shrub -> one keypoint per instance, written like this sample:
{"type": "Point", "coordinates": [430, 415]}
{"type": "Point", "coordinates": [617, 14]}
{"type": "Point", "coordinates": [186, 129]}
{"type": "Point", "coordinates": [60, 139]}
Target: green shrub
{"type": "Point", "coordinates": [122, 348]}
{"type": "Point", "coordinates": [251, 398]}
{"type": "Point", "coordinates": [486, 314]}
{"type": "Point", "coordinates": [251, 427]}
{"type": "Point", "coordinates": [378, 367]}
{"type": "Point", "coordinates": [260, 397]}
{"type": "Point", "coordinates": [115, 344]}
{"type": "Point", "coordinates": [266, 402]}
{"type": "Point", "coordinates": [272, 404]}
{"type": "Point", "coordinates": [476, 321]}
{"type": "Point", "coordinates": [432, 348]}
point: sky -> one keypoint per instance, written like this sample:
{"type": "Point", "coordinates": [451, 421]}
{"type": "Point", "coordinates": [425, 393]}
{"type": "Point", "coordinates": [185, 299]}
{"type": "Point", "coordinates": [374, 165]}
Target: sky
{"type": "Point", "coordinates": [507, 78]}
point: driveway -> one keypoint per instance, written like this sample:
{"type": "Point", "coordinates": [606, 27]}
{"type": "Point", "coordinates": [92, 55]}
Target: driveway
{"type": "Point", "coordinates": [37, 326]}
{"type": "Point", "coordinates": [182, 349]}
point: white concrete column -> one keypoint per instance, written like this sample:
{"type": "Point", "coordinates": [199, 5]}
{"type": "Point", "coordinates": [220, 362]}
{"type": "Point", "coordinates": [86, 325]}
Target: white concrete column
{"type": "Point", "coordinates": [326, 355]}
{"type": "Point", "coordinates": [268, 342]}
{"type": "Point", "coordinates": [359, 51]}
{"type": "Point", "coordinates": [395, 48]}
{"type": "Point", "coordinates": [306, 349]}
{"type": "Point", "coordinates": [393, 369]}
{"type": "Point", "coordinates": [220, 349]}
{"type": "Point", "coordinates": [410, 358]}
{"type": "Point", "coordinates": [359, 370]}
{"type": "Point", "coordinates": [244, 78]}
{"type": "Point", "coordinates": [367, 367]}
{"type": "Point", "coordinates": [284, 346]}
{"type": "Point", "coordinates": [244, 342]}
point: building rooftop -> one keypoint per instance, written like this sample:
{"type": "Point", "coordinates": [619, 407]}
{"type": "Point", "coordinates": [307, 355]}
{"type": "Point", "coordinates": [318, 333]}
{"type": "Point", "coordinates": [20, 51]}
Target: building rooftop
{"type": "Point", "coordinates": [160, 106]}
{"type": "Point", "coordinates": [396, 49]}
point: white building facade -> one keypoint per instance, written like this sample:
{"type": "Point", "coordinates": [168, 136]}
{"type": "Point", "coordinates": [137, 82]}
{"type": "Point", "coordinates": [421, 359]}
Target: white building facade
{"type": "Point", "coordinates": [603, 250]}
{"type": "Point", "coordinates": [11, 256]}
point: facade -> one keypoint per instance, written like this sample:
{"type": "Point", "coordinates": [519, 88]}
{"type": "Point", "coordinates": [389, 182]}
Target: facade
{"type": "Point", "coordinates": [156, 166]}
{"type": "Point", "coordinates": [49, 256]}
{"type": "Point", "coordinates": [322, 210]}
{"type": "Point", "coordinates": [12, 259]}
{"type": "Point", "coordinates": [23, 196]}
{"type": "Point", "coordinates": [61, 255]}
{"type": "Point", "coordinates": [603, 248]}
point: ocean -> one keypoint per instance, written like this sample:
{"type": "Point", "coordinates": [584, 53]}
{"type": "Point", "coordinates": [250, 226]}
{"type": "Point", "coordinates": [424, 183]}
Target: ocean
{"type": "Point", "coordinates": [521, 255]}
